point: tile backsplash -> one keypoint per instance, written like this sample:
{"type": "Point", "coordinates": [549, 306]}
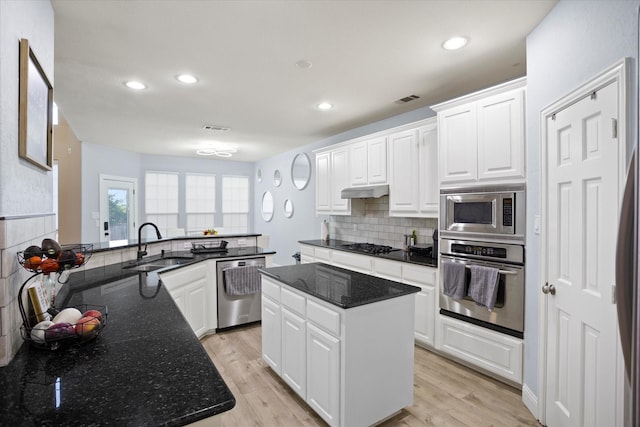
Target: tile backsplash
{"type": "Point", "coordinates": [376, 226]}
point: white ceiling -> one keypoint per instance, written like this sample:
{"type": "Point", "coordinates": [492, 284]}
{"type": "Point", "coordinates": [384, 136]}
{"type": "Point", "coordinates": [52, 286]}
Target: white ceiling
{"type": "Point", "coordinates": [365, 56]}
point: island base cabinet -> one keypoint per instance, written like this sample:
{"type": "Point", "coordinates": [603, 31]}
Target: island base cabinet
{"type": "Point", "coordinates": [377, 365]}
{"type": "Point", "coordinates": [294, 361]}
{"type": "Point", "coordinates": [493, 352]}
{"type": "Point", "coordinates": [323, 380]}
{"type": "Point", "coordinates": [271, 333]}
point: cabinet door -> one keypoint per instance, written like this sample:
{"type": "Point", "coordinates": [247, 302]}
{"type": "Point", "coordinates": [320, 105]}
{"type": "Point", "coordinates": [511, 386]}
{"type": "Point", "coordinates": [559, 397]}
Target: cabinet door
{"type": "Point", "coordinates": [271, 334]}
{"type": "Point", "coordinates": [339, 180]}
{"type": "Point", "coordinates": [429, 186]}
{"type": "Point", "coordinates": [195, 295]}
{"type": "Point", "coordinates": [358, 163]}
{"type": "Point", "coordinates": [323, 181]}
{"type": "Point", "coordinates": [501, 136]}
{"type": "Point", "coordinates": [458, 138]}
{"type": "Point", "coordinates": [404, 180]}
{"type": "Point", "coordinates": [426, 301]}
{"type": "Point", "coordinates": [323, 381]}
{"type": "Point", "coordinates": [178, 298]}
{"type": "Point", "coordinates": [294, 370]}
{"type": "Point", "coordinates": [377, 161]}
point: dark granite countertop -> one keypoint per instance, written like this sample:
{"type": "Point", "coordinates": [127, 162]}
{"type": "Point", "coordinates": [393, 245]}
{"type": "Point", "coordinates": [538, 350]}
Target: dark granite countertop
{"type": "Point", "coordinates": [338, 286]}
{"type": "Point", "coordinates": [397, 255]}
{"type": "Point", "coordinates": [100, 247]}
{"type": "Point", "coordinates": [147, 367]}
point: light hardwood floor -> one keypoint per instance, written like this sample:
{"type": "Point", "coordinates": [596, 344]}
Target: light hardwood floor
{"type": "Point", "coordinates": [445, 393]}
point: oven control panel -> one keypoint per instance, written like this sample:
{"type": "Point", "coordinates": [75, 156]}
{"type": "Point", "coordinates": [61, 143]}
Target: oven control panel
{"type": "Point", "coordinates": [487, 251]}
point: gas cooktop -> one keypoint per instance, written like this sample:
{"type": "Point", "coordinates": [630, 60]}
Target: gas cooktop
{"type": "Point", "coordinates": [369, 248]}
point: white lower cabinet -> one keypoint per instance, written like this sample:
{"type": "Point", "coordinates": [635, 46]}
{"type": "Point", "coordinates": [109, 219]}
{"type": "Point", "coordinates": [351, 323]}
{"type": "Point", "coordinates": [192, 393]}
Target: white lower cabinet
{"type": "Point", "coordinates": [426, 301]}
{"type": "Point", "coordinates": [491, 351]}
{"type": "Point", "coordinates": [323, 381]}
{"type": "Point", "coordinates": [355, 262]}
{"type": "Point", "coordinates": [189, 289]}
{"type": "Point", "coordinates": [357, 362]}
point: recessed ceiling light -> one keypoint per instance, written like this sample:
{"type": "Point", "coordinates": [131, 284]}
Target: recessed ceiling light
{"type": "Point", "coordinates": [187, 79]}
{"type": "Point", "coordinates": [324, 106]}
{"type": "Point", "coordinates": [304, 64]}
{"type": "Point", "coordinates": [135, 85]}
{"type": "Point", "coordinates": [455, 43]}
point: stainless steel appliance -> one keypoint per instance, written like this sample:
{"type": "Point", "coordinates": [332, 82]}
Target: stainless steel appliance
{"type": "Point", "coordinates": [238, 309]}
{"type": "Point", "coordinates": [507, 316]}
{"type": "Point", "coordinates": [483, 213]}
{"type": "Point", "coordinates": [368, 248]}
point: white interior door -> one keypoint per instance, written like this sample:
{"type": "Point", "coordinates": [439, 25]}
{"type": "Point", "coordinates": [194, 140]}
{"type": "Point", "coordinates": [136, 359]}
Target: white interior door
{"type": "Point", "coordinates": [117, 208]}
{"type": "Point", "coordinates": [582, 159]}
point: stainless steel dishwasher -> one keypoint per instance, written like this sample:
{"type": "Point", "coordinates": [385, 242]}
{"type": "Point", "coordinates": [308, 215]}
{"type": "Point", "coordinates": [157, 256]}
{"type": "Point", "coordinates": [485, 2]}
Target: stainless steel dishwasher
{"type": "Point", "coordinates": [238, 301]}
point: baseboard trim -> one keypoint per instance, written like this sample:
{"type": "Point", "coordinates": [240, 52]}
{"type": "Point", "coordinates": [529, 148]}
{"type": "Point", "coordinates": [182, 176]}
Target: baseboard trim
{"type": "Point", "coordinates": [530, 400]}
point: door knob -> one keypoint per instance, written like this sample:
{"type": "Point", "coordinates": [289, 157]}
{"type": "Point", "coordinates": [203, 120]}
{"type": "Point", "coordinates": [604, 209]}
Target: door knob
{"type": "Point", "coordinates": [548, 289]}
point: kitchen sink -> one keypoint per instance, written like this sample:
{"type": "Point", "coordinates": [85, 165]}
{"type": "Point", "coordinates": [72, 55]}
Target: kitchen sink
{"type": "Point", "coordinates": [157, 264]}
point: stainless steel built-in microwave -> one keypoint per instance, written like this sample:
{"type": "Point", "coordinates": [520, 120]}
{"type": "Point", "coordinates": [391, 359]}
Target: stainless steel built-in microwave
{"type": "Point", "coordinates": [497, 212]}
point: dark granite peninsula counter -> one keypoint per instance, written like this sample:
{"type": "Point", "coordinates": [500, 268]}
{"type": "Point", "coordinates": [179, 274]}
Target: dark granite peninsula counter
{"type": "Point", "coordinates": [147, 367]}
{"type": "Point", "coordinates": [396, 255]}
{"type": "Point", "coordinates": [342, 340]}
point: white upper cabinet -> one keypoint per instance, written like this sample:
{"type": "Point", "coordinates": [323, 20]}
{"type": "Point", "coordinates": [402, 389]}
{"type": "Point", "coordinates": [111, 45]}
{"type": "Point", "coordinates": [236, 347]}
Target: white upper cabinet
{"type": "Point", "coordinates": [368, 162]}
{"type": "Point", "coordinates": [332, 176]}
{"type": "Point", "coordinates": [481, 136]}
{"type": "Point", "coordinates": [501, 136]}
{"type": "Point", "coordinates": [413, 182]}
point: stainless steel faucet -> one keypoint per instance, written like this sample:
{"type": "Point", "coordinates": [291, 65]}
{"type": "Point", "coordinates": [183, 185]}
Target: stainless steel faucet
{"type": "Point", "coordinates": [142, 252]}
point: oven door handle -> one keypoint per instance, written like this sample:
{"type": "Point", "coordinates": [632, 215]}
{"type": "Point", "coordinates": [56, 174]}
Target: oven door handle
{"type": "Point", "coordinates": [499, 271]}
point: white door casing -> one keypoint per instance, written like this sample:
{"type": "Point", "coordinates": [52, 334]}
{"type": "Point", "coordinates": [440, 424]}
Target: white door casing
{"type": "Point", "coordinates": [126, 184]}
{"type": "Point", "coordinates": [583, 155]}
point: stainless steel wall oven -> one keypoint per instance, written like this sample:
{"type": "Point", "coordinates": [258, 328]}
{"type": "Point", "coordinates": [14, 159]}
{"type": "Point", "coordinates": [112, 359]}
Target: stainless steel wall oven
{"type": "Point", "coordinates": [507, 314]}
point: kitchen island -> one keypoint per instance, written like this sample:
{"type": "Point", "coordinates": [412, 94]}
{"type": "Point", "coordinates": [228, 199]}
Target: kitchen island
{"type": "Point", "coordinates": [146, 367]}
{"type": "Point", "coordinates": [342, 340]}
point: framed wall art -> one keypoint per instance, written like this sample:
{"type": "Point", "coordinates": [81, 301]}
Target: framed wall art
{"type": "Point", "coordinates": [35, 132]}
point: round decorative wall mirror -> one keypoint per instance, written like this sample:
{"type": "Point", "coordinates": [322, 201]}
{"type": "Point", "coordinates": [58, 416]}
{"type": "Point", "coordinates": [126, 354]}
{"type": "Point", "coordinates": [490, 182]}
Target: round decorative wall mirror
{"type": "Point", "coordinates": [288, 208]}
{"type": "Point", "coordinates": [259, 175]}
{"type": "Point", "coordinates": [277, 178]}
{"type": "Point", "coordinates": [300, 171]}
{"type": "Point", "coordinates": [267, 206]}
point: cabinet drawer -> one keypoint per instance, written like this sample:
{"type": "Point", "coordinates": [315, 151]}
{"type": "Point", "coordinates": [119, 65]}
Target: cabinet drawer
{"type": "Point", "coordinates": [270, 288]}
{"type": "Point", "coordinates": [361, 263]}
{"type": "Point", "coordinates": [391, 270]}
{"type": "Point", "coordinates": [419, 275]}
{"type": "Point", "coordinates": [307, 250]}
{"type": "Point", "coordinates": [326, 318]}
{"type": "Point", "coordinates": [293, 301]}
{"type": "Point", "coordinates": [323, 254]}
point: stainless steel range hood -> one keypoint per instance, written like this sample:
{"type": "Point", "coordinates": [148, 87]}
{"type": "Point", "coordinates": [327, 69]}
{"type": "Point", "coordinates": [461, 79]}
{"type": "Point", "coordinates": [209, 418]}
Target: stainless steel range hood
{"type": "Point", "coordinates": [372, 192]}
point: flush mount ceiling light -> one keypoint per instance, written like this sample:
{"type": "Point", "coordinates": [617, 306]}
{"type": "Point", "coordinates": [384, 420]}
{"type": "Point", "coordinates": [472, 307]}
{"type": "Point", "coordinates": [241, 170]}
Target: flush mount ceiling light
{"type": "Point", "coordinates": [187, 79]}
{"type": "Point", "coordinates": [132, 84]}
{"type": "Point", "coordinates": [304, 64]}
{"type": "Point", "coordinates": [220, 150]}
{"type": "Point", "coordinates": [455, 43]}
{"type": "Point", "coordinates": [324, 106]}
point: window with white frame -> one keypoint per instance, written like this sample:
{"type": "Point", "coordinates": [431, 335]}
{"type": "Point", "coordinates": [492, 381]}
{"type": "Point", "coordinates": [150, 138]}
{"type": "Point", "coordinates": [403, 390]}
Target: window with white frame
{"type": "Point", "coordinates": [161, 200]}
{"type": "Point", "coordinates": [200, 207]}
{"type": "Point", "coordinates": [235, 204]}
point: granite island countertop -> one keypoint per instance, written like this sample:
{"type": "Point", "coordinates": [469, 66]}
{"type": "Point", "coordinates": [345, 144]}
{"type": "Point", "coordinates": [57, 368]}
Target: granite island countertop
{"type": "Point", "coordinates": [147, 367]}
{"type": "Point", "coordinates": [338, 286]}
{"type": "Point", "coordinates": [396, 255]}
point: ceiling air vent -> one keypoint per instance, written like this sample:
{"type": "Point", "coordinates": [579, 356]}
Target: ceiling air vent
{"type": "Point", "coordinates": [216, 128]}
{"type": "Point", "coordinates": [407, 99]}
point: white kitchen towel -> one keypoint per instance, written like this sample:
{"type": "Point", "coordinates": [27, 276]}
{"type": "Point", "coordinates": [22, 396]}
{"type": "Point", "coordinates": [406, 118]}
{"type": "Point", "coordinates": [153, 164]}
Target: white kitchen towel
{"type": "Point", "coordinates": [454, 279]}
{"type": "Point", "coordinates": [242, 280]}
{"type": "Point", "coordinates": [483, 286]}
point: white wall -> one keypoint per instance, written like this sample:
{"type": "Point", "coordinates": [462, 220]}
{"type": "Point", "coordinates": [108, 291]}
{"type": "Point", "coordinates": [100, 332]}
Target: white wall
{"type": "Point", "coordinates": [305, 224]}
{"type": "Point", "coordinates": [24, 188]}
{"type": "Point", "coordinates": [26, 191]}
{"type": "Point", "coordinates": [576, 41]}
{"type": "Point", "coordinates": [99, 159]}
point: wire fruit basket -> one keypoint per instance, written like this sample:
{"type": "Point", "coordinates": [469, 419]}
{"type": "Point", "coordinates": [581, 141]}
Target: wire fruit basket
{"type": "Point", "coordinates": [41, 326]}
